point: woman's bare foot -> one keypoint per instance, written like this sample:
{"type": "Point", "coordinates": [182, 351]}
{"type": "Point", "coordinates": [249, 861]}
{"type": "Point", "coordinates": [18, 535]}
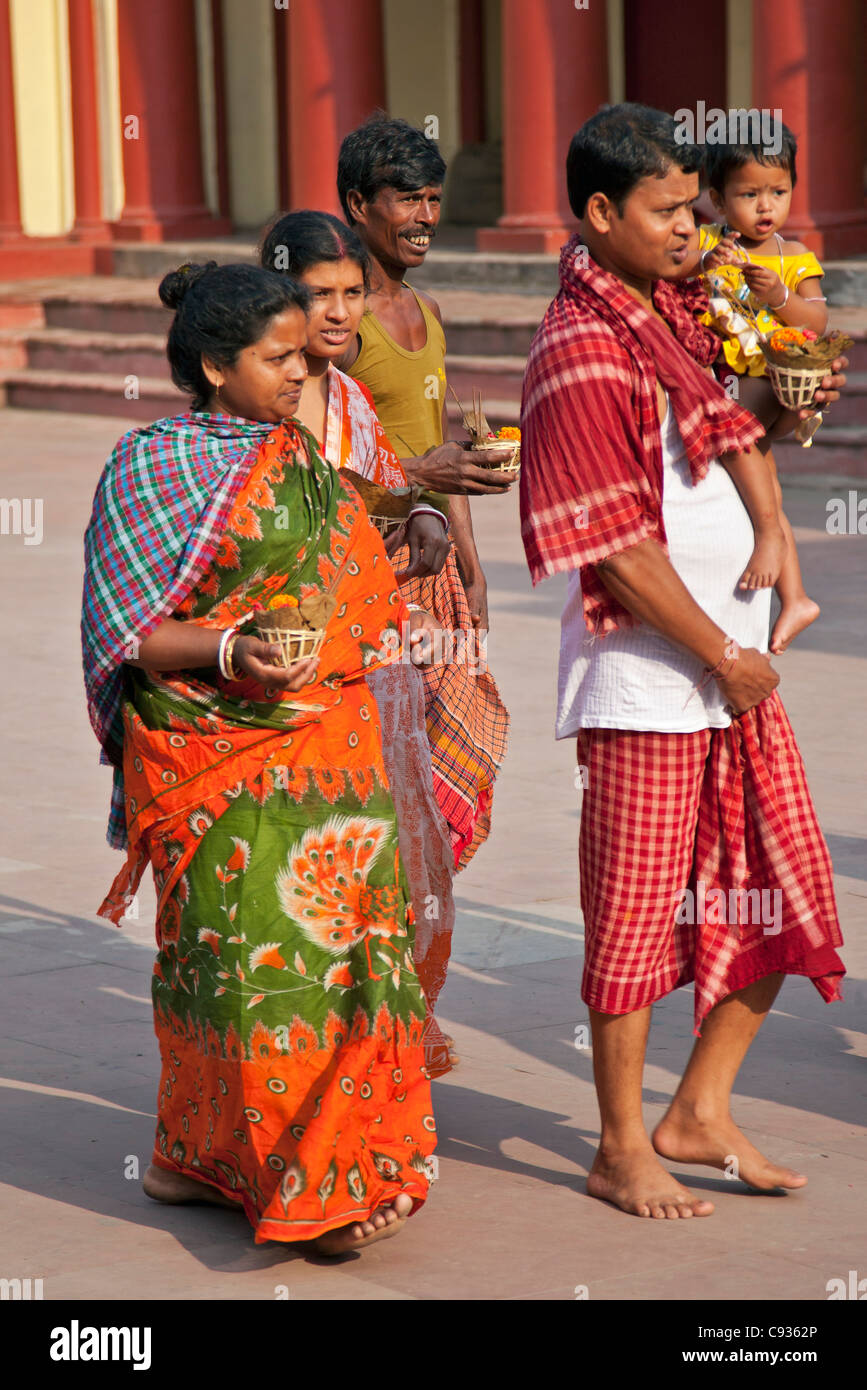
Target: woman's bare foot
{"type": "Point", "coordinates": [383, 1223]}
{"type": "Point", "coordinates": [683, 1137]}
{"type": "Point", "coordinates": [636, 1181]}
{"type": "Point", "coordinates": [173, 1188]}
{"type": "Point", "coordinates": [794, 617]}
{"type": "Point", "coordinates": [766, 561]}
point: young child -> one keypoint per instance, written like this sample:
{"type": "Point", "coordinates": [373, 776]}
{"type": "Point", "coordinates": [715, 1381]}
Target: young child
{"type": "Point", "coordinates": [752, 193]}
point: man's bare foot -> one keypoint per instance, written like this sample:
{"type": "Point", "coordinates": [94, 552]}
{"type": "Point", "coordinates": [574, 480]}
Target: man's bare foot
{"type": "Point", "coordinates": [636, 1181]}
{"type": "Point", "coordinates": [681, 1136]}
{"type": "Point", "coordinates": [385, 1222]}
{"type": "Point", "coordinates": [766, 561]}
{"type": "Point", "coordinates": [173, 1188]}
{"type": "Point", "coordinates": [794, 617]}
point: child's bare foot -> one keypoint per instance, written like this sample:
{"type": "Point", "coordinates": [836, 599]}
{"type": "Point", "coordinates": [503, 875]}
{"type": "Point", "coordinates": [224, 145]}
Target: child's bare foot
{"type": "Point", "coordinates": [383, 1223]}
{"type": "Point", "coordinates": [766, 561]}
{"type": "Point", "coordinates": [794, 617]}
{"type": "Point", "coordinates": [174, 1188]}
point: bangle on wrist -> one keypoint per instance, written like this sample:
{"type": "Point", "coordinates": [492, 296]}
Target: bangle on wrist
{"type": "Point", "coordinates": [233, 673]}
{"type": "Point", "coordinates": [227, 641]}
{"type": "Point", "coordinates": [782, 305]}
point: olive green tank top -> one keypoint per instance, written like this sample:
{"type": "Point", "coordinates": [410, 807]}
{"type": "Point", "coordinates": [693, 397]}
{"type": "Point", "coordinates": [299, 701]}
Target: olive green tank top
{"type": "Point", "coordinates": [408, 388]}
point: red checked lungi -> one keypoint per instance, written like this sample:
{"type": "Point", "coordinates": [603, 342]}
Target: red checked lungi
{"type": "Point", "coordinates": [717, 809]}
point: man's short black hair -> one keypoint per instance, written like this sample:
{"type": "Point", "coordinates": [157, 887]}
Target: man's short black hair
{"type": "Point", "coordinates": [721, 161]}
{"type": "Point", "coordinates": [386, 153]}
{"type": "Point", "coordinates": [620, 146]}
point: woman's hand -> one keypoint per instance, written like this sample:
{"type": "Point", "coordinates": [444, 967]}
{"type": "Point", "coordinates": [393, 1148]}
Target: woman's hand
{"type": "Point", "coordinates": [751, 680]}
{"type": "Point", "coordinates": [253, 656]}
{"type": "Point", "coordinates": [428, 542]}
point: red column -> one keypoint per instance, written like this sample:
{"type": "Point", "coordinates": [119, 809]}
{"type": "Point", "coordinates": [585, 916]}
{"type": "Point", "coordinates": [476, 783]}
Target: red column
{"type": "Point", "coordinates": [808, 61]}
{"type": "Point", "coordinates": [10, 207]}
{"type": "Point", "coordinates": [335, 75]}
{"type": "Point", "coordinates": [89, 224]}
{"type": "Point", "coordinates": [555, 75]}
{"type": "Point", "coordinates": [159, 94]}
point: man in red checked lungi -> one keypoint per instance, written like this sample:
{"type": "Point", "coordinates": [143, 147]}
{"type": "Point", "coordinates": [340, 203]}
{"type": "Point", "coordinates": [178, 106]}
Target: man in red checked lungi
{"type": "Point", "coordinates": [701, 858]}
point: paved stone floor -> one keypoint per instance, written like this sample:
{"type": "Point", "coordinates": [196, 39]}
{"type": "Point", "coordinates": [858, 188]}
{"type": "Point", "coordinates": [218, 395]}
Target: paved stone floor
{"type": "Point", "coordinates": [508, 1218]}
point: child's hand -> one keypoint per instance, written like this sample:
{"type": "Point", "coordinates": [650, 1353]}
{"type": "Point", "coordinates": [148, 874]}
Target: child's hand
{"type": "Point", "coordinates": [724, 253]}
{"type": "Point", "coordinates": [765, 284]}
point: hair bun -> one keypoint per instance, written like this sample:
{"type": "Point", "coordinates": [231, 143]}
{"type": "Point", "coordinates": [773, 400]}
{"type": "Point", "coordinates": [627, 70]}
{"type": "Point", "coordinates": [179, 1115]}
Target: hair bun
{"type": "Point", "coordinates": [175, 286]}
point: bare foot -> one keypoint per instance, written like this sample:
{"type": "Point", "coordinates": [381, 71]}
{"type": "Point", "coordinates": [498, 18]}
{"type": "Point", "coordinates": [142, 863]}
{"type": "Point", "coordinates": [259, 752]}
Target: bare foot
{"type": "Point", "coordinates": [173, 1188]}
{"type": "Point", "coordinates": [385, 1222]}
{"type": "Point", "coordinates": [794, 617]}
{"type": "Point", "coordinates": [766, 561]}
{"type": "Point", "coordinates": [636, 1181]}
{"type": "Point", "coordinates": [681, 1136]}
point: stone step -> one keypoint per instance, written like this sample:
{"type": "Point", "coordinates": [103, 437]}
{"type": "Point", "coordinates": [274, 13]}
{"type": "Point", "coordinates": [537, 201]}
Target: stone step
{"type": "Point", "coordinates": [494, 376]}
{"type": "Point", "coordinates": [851, 409]}
{"type": "Point", "coordinates": [78, 351]}
{"type": "Point", "coordinates": [91, 394]}
{"type": "Point", "coordinates": [836, 451]}
{"type": "Point", "coordinates": [448, 268]}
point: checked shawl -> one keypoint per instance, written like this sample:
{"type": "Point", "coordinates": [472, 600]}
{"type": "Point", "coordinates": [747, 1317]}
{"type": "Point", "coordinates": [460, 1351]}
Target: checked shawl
{"type": "Point", "coordinates": [591, 455]}
{"type": "Point", "coordinates": [159, 511]}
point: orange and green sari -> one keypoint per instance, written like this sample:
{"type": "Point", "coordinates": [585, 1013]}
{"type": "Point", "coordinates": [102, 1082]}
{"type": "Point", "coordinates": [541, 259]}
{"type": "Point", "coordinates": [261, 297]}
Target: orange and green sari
{"type": "Point", "coordinates": [286, 1003]}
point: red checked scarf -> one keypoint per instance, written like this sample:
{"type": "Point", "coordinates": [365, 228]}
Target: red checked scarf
{"type": "Point", "coordinates": [591, 454]}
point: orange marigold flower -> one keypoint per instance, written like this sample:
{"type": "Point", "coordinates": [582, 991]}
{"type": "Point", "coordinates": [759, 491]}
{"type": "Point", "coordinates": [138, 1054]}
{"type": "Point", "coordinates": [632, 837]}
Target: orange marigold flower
{"type": "Point", "coordinates": [782, 338]}
{"type": "Point", "coordinates": [283, 601]}
{"type": "Point", "coordinates": [509, 432]}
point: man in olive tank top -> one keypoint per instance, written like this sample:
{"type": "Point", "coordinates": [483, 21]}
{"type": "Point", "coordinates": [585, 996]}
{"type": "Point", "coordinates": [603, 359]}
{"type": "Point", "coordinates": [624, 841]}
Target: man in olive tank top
{"type": "Point", "coordinates": [389, 177]}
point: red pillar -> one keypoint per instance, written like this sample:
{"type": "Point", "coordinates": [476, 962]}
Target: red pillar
{"type": "Point", "coordinates": [162, 148]}
{"type": "Point", "coordinates": [335, 75]}
{"type": "Point", "coordinates": [89, 225]}
{"type": "Point", "coordinates": [555, 75]}
{"type": "Point", "coordinates": [10, 206]}
{"type": "Point", "coordinates": [808, 61]}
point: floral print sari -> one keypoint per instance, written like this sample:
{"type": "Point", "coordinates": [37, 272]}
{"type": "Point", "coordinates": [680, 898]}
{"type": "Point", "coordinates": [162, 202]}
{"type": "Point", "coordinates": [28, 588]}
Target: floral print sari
{"type": "Point", "coordinates": [286, 1002]}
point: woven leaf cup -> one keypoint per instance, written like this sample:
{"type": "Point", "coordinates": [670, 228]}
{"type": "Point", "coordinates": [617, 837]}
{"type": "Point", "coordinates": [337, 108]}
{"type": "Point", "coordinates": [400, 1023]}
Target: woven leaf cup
{"type": "Point", "coordinates": [298, 628]}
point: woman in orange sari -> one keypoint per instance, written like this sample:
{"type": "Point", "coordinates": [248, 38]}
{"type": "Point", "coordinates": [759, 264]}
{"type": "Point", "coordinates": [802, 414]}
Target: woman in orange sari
{"type": "Point", "coordinates": [444, 731]}
{"type": "Point", "coordinates": [286, 1003]}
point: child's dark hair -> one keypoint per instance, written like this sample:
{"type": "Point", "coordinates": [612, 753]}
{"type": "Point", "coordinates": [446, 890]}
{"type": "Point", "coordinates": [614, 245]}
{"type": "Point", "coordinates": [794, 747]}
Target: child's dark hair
{"type": "Point", "coordinates": [219, 311]}
{"type": "Point", "coordinates": [618, 147]}
{"type": "Point", "coordinates": [721, 161]}
{"type": "Point", "coordinates": [386, 153]}
{"type": "Point", "coordinates": [298, 240]}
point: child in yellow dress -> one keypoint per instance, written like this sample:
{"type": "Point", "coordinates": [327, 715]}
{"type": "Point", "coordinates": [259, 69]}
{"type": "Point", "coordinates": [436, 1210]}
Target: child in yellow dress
{"type": "Point", "coordinates": [751, 191]}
